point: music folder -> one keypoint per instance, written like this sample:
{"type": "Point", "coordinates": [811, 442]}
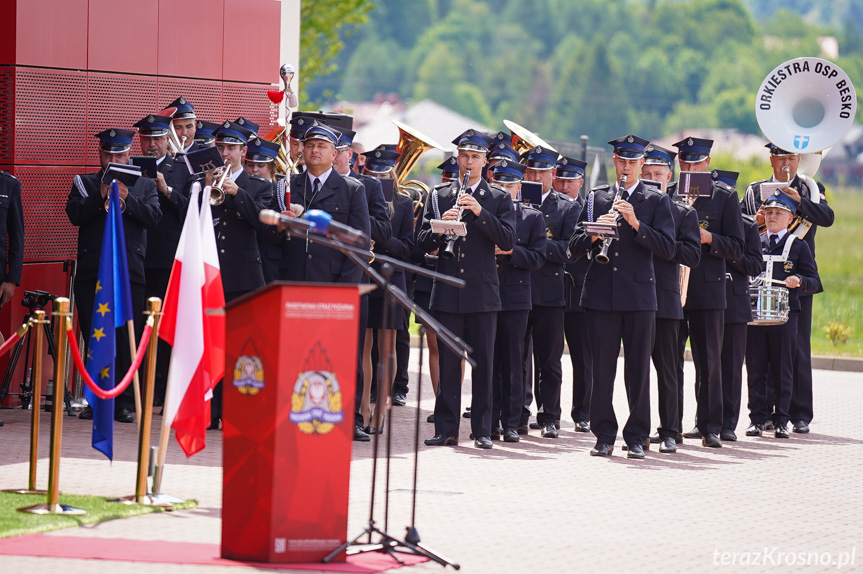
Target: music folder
{"type": "Point", "coordinates": [770, 188]}
{"type": "Point", "coordinates": [603, 230]}
{"type": "Point", "coordinates": [531, 193]}
{"type": "Point", "coordinates": [694, 184]}
{"type": "Point", "coordinates": [147, 164]}
{"type": "Point", "coordinates": [124, 173]}
{"type": "Point", "coordinates": [448, 228]}
{"type": "Point", "coordinates": [202, 160]}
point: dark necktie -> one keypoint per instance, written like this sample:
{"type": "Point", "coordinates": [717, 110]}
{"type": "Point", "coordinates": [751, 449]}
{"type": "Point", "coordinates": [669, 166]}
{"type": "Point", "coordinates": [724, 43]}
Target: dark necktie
{"type": "Point", "coordinates": [774, 239]}
{"type": "Point", "coordinates": [316, 187]}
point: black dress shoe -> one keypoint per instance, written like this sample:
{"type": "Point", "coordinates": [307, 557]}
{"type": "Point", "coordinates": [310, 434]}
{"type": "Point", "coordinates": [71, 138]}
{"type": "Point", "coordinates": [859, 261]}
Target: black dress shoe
{"type": "Point", "coordinates": [360, 435]}
{"type": "Point", "coordinates": [521, 429]}
{"type": "Point", "coordinates": [430, 418]}
{"type": "Point", "coordinates": [466, 413]}
{"type": "Point", "coordinates": [124, 415]}
{"type": "Point", "coordinates": [668, 445]}
{"type": "Point", "coordinates": [635, 451]}
{"type": "Point", "coordinates": [214, 424]}
{"type": "Point", "coordinates": [655, 438]}
{"type": "Point", "coordinates": [535, 426]}
{"type": "Point", "coordinates": [645, 445]}
{"type": "Point", "coordinates": [495, 433]}
{"type": "Point", "coordinates": [582, 426]}
{"type": "Point", "coordinates": [482, 442]}
{"type": "Point", "coordinates": [86, 414]}
{"type": "Point", "coordinates": [755, 429]}
{"type": "Point", "coordinates": [781, 431]}
{"type": "Point", "coordinates": [510, 435]}
{"type": "Point", "coordinates": [399, 399]}
{"type": "Point", "coordinates": [728, 434]}
{"type": "Point", "coordinates": [549, 430]}
{"type": "Point", "coordinates": [711, 440]}
{"type": "Point", "coordinates": [601, 449]}
{"type": "Point", "coordinates": [800, 427]}
{"type": "Point", "coordinates": [694, 433]}
{"type": "Point", "coordinates": [441, 440]}
{"type": "Point", "coordinates": [768, 425]}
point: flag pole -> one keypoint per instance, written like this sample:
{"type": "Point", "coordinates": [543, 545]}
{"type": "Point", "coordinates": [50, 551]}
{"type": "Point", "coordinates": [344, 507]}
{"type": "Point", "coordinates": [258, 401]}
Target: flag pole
{"type": "Point", "coordinates": [130, 324]}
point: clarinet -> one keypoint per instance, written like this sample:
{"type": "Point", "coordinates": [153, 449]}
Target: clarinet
{"type": "Point", "coordinates": [602, 256]}
{"type": "Point", "coordinates": [449, 250]}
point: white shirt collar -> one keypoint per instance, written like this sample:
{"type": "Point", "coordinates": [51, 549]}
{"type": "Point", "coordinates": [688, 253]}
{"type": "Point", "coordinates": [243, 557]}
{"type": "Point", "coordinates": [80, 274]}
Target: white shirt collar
{"type": "Point", "coordinates": [323, 178]}
{"type": "Point", "coordinates": [161, 159]}
{"type": "Point", "coordinates": [236, 174]}
{"type": "Point", "coordinates": [544, 195]}
{"type": "Point", "coordinates": [779, 235]}
{"type": "Point", "coordinates": [629, 190]}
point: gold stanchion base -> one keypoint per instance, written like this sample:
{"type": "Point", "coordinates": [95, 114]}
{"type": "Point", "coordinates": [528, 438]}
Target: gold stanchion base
{"type": "Point", "coordinates": [60, 509]}
{"type": "Point", "coordinates": [25, 491]}
{"type": "Point", "coordinates": [149, 500]}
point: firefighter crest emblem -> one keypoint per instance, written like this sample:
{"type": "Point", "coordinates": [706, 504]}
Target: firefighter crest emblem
{"type": "Point", "coordinates": [316, 401]}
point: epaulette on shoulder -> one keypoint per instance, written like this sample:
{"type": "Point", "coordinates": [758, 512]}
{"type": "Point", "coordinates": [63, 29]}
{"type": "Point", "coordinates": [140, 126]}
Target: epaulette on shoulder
{"type": "Point", "coordinates": [725, 186]}
{"type": "Point", "coordinates": [442, 185]}
{"type": "Point", "coordinates": [565, 197]}
{"type": "Point", "coordinates": [748, 218]}
{"type": "Point", "coordinates": [496, 187]}
{"type": "Point", "coordinates": [601, 187]}
{"type": "Point", "coordinates": [529, 207]}
{"type": "Point", "coordinates": [7, 174]}
{"type": "Point", "coordinates": [258, 178]}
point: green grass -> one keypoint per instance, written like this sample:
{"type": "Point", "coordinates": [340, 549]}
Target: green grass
{"type": "Point", "coordinates": [14, 523]}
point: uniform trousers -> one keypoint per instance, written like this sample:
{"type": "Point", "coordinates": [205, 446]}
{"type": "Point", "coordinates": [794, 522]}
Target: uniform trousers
{"type": "Point", "coordinates": [361, 341]}
{"type": "Point", "coordinates": [508, 372]}
{"type": "Point", "coordinates": [575, 331]}
{"type": "Point", "coordinates": [665, 361]}
{"type": "Point", "coordinates": [606, 329]}
{"type": "Point", "coordinates": [216, 401]}
{"type": "Point", "coordinates": [733, 354]}
{"type": "Point", "coordinates": [706, 328]}
{"type": "Point", "coordinates": [771, 348]}
{"type": "Point", "coordinates": [478, 331]}
{"type": "Point", "coordinates": [545, 328]}
{"type": "Point", "coordinates": [157, 285]}
{"type": "Point", "coordinates": [801, 409]}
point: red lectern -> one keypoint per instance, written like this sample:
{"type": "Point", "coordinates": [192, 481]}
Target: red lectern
{"type": "Point", "coordinates": [288, 421]}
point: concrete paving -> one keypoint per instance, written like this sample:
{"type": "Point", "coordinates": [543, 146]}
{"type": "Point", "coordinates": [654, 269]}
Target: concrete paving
{"type": "Point", "coordinates": [759, 503]}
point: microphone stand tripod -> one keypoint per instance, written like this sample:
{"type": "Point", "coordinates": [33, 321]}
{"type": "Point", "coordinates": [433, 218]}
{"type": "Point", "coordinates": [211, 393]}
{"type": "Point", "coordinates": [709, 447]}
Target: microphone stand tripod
{"type": "Point", "coordinates": [387, 543]}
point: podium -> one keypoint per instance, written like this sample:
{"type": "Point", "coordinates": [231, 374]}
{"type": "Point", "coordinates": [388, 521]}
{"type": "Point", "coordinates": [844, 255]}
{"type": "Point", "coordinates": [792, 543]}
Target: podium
{"type": "Point", "coordinates": [288, 421]}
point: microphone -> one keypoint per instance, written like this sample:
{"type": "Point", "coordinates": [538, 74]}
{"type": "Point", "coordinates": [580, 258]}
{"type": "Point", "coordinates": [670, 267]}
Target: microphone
{"type": "Point", "coordinates": [324, 224]}
{"type": "Point", "coordinates": [270, 217]}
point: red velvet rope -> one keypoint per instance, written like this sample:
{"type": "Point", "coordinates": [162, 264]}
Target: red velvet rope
{"type": "Point", "coordinates": [10, 342]}
{"type": "Point", "coordinates": [118, 389]}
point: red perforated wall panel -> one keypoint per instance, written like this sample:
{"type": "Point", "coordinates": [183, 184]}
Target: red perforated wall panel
{"type": "Point", "coordinates": [205, 96]}
{"type": "Point", "coordinates": [117, 101]}
{"type": "Point", "coordinates": [250, 102]}
{"type": "Point", "coordinates": [7, 114]}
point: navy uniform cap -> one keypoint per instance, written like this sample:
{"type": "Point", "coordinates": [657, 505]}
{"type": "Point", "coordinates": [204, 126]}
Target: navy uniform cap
{"type": "Point", "coordinates": [153, 126]}
{"type": "Point", "coordinates": [539, 158]}
{"type": "Point", "coordinates": [472, 140]}
{"type": "Point", "coordinates": [248, 124]}
{"type": "Point", "coordinates": [204, 131]}
{"type": "Point", "coordinates": [319, 131]}
{"type": "Point", "coordinates": [508, 171]}
{"type": "Point", "coordinates": [449, 166]}
{"type": "Point", "coordinates": [776, 150]}
{"type": "Point", "coordinates": [728, 177]}
{"type": "Point", "coordinates": [629, 146]}
{"type": "Point", "coordinates": [299, 125]}
{"type": "Point", "coordinates": [113, 140]}
{"type": "Point", "coordinates": [261, 150]}
{"type": "Point", "coordinates": [346, 137]}
{"type": "Point", "coordinates": [569, 168]}
{"type": "Point", "coordinates": [657, 155]}
{"type": "Point", "coordinates": [232, 133]}
{"type": "Point", "coordinates": [380, 160]}
{"type": "Point", "coordinates": [502, 150]}
{"type": "Point", "coordinates": [502, 137]}
{"type": "Point", "coordinates": [782, 201]}
{"type": "Point", "coordinates": [183, 109]}
{"type": "Point", "coordinates": [693, 150]}
{"type": "Point", "coordinates": [387, 147]}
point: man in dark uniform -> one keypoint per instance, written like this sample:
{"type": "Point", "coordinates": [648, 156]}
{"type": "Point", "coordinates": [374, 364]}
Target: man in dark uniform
{"type": "Point", "coordinates": [173, 185]}
{"type": "Point", "coordinates": [449, 170]}
{"type": "Point", "coordinates": [236, 223]}
{"type": "Point", "coordinates": [771, 348]}
{"type": "Point", "coordinates": [85, 207]}
{"type": "Point", "coordinates": [815, 211]}
{"type": "Point", "coordinates": [260, 161]}
{"type": "Point", "coordinates": [547, 291]}
{"type": "Point", "coordinates": [721, 240]}
{"type": "Point", "coordinates": [620, 297]}
{"type": "Point", "coordinates": [513, 269]}
{"type": "Point", "coordinates": [568, 180]}
{"type": "Point", "coordinates": [658, 167]}
{"type": "Point", "coordinates": [470, 313]}
{"type": "Point", "coordinates": [737, 314]}
{"type": "Point", "coordinates": [204, 133]}
{"type": "Point", "coordinates": [11, 237]}
{"type": "Point", "coordinates": [183, 118]}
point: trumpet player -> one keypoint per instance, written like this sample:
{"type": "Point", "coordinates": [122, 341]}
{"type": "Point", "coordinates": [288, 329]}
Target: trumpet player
{"type": "Point", "coordinates": [173, 184]}
{"type": "Point", "coordinates": [260, 161]}
{"type": "Point", "coordinates": [470, 313]}
{"type": "Point", "coordinates": [812, 209]}
{"type": "Point", "coordinates": [659, 167]}
{"type": "Point", "coordinates": [183, 124]}
{"type": "Point", "coordinates": [704, 313]}
{"type": "Point", "coordinates": [85, 207]}
{"type": "Point", "coordinates": [620, 296]}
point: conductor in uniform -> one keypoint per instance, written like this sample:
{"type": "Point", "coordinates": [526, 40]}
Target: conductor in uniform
{"type": "Point", "coordinates": [85, 207]}
{"type": "Point", "coordinates": [469, 313]}
{"type": "Point", "coordinates": [812, 207]}
{"type": "Point", "coordinates": [721, 240]}
{"type": "Point", "coordinates": [620, 295]}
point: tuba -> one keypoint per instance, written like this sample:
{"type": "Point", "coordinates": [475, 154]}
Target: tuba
{"type": "Point", "coordinates": [524, 139]}
{"type": "Point", "coordinates": [806, 105]}
{"type": "Point", "coordinates": [284, 165]}
{"type": "Point", "coordinates": [412, 144]}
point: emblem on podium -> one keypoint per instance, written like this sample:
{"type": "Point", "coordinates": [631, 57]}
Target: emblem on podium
{"type": "Point", "coordinates": [316, 402]}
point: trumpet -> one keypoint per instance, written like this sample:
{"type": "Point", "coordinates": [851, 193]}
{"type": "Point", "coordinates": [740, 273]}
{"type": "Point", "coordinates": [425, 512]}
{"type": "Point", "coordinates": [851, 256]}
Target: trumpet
{"type": "Point", "coordinates": [602, 256]}
{"type": "Point", "coordinates": [122, 204]}
{"type": "Point", "coordinates": [177, 146]}
{"type": "Point", "coordinates": [217, 193]}
{"type": "Point", "coordinates": [449, 250]}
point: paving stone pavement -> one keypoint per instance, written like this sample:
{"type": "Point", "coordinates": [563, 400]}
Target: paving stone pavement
{"type": "Point", "coordinates": [541, 503]}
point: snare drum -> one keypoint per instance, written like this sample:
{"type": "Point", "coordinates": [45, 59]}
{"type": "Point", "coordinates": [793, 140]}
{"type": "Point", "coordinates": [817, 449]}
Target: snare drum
{"type": "Point", "coordinates": [769, 305]}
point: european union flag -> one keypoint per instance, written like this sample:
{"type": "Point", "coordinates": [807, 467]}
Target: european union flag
{"type": "Point", "coordinates": [112, 308]}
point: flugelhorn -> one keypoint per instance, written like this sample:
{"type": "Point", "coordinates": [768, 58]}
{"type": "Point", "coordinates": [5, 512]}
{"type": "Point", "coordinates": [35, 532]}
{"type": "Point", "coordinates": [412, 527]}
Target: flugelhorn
{"type": "Point", "coordinates": [602, 256]}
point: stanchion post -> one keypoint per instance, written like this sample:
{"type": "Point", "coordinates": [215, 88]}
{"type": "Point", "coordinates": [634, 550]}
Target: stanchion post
{"type": "Point", "coordinates": [154, 310]}
{"type": "Point", "coordinates": [38, 322]}
{"type": "Point", "coordinates": [62, 315]}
